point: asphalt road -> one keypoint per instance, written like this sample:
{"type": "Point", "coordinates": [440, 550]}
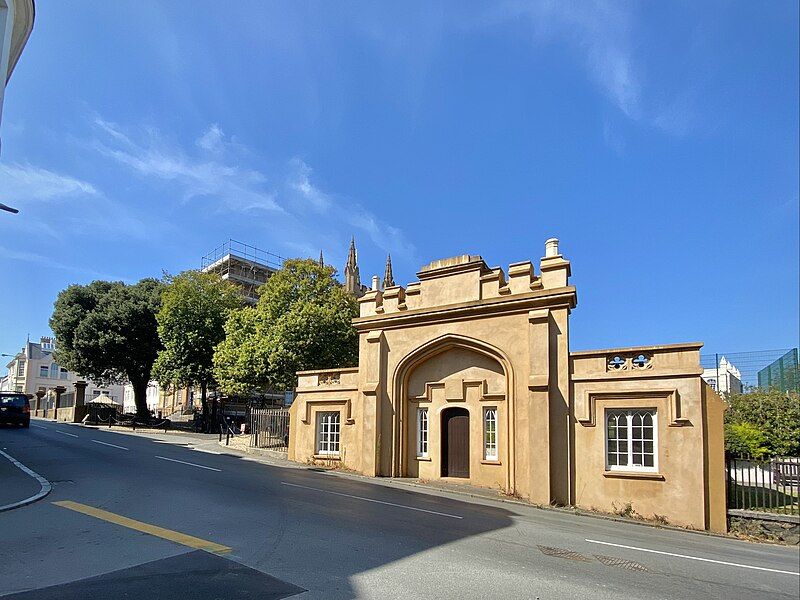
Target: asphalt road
{"type": "Point", "coordinates": [136, 516]}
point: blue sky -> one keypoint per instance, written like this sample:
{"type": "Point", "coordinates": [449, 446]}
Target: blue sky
{"type": "Point", "coordinates": [658, 141]}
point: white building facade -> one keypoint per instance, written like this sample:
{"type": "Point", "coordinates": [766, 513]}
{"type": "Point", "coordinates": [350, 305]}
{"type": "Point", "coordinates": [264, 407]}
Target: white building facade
{"type": "Point", "coordinates": [725, 378]}
{"type": "Point", "coordinates": [129, 404]}
{"type": "Point", "coordinates": [35, 369]}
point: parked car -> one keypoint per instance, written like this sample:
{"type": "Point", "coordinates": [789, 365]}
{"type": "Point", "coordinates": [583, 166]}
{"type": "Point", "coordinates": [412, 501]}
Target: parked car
{"type": "Point", "coordinates": [15, 409]}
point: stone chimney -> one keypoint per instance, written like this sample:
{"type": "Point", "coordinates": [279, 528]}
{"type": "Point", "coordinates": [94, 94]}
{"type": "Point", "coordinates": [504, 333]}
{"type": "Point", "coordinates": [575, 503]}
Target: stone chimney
{"type": "Point", "coordinates": [555, 269]}
{"type": "Point", "coordinates": [551, 248]}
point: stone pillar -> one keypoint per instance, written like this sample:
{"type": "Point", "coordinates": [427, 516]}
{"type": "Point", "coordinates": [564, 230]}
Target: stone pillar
{"type": "Point", "coordinates": [79, 412]}
{"type": "Point", "coordinates": [80, 393]}
{"type": "Point", "coordinates": [38, 402]}
{"type": "Point", "coordinates": [59, 389]}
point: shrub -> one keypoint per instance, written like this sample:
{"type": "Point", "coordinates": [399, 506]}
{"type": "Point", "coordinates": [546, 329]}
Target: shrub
{"type": "Point", "coordinates": [745, 439]}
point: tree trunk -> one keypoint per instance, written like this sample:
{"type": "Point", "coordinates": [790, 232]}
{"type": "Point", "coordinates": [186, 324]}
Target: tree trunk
{"type": "Point", "coordinates": [204, 402]}
{"type": "Point", "coordinates": [140, 397]}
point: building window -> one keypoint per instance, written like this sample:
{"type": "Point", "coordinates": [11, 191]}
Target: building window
{"type": "Point", "coordinates": [631, 440]}
{"type": "Point", "coordinates": [490, 434]}
{"type": "Point", "coordinates": [20, 368]}
{"type": "Point", "coordinates": [43, 371]}
{"type": "Point", "coordinates": [422, 432]}
{"type": "Point", "coordinates": [64, 373]}
{"type": "Point", "coordinates": [328, 433]}
{"type": "Point", "coordinates": [54, 371]}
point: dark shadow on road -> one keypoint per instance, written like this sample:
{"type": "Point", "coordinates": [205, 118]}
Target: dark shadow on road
{"type": "Point", "coordinates": [308, 528]}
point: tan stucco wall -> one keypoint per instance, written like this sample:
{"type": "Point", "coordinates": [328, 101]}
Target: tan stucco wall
{"type": "Point", "coordinates": [463, 378]}
{"type": "Point", "coordinates": [679, 489]}
{"type": "Point", "coordinates": [715, 460]}
{"type": "Point", "coordinates": [331, 390]}
{"type": "Point", "coordinates": [468, 335]}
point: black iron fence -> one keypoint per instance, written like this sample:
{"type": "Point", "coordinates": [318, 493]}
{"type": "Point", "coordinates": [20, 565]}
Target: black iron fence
{"type": "Point", "coordinates": [269, 428]}
{"type": "Point", "coordinates": [764, 485]}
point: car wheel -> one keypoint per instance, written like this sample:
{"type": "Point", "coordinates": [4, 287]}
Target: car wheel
{"type": "Point", "coordinates": [26, 424]}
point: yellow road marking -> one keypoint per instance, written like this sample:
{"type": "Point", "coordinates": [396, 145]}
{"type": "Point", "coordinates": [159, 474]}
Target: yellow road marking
{"type": "Point", "coordinates": [167, 534]}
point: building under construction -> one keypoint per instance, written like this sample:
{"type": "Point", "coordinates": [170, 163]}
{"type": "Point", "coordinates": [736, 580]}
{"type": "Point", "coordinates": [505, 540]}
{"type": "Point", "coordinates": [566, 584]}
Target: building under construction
{"type": "Point", "coordinates": [246, 266]}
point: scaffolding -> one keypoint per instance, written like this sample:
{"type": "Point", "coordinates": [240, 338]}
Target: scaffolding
{"type": "Point", "coordinates": [245, 265]}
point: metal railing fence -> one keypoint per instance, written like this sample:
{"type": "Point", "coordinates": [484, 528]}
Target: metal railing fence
{"type": "Point", "coordinates": [764, 485]}
{"type": "Point", "coordinates": [734, 372]}
{"type": "Point", "coordinates": [269, 428]}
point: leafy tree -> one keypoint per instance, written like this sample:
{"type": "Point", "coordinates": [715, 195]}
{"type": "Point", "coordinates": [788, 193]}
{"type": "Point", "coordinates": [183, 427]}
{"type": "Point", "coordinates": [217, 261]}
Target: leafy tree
{"type": "Point", "coordinates": [302, 321]}
{"type": "Point", "coordinates": [774, 412]}
{"type": "Point", "coordinates": [107, 331]}
{"type": "Point", "coordinates": [745, 439]}
{"type": "Point", "coordinates": [191, 322]}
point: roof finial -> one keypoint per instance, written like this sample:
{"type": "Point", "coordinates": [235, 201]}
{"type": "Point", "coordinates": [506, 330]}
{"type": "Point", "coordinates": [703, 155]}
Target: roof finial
{"type": "Point", "coordinates": [352, 278]}
{"type": "Point", "coordinates": [388, 278]}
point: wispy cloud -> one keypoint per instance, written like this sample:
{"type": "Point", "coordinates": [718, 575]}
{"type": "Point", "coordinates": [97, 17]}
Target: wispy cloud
{"type": "Point", "coordinates": [600, 31]}
{"type": "Point", "coordinates": [345, 213]}
{"type": "Point", "coordinates": [213, 168]}
{"type": "Point", "coordinates": [238, 188]}
{"type": "Point", "coordinates": [30, 183]}
{"type": "Point", "coordinates": [211, 139]}
{"type": "Point", "coordinates": [299, 181]}
{"type": "Point", "coordinates": [50, 262]}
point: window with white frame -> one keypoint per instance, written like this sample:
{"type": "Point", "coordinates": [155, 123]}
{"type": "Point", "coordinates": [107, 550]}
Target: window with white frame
{"type": "Point", "coordinates": [422, 432]}
{"type": "Point", "coordinates": [328, 433]}
{"type": "Point", "coordinates": [631, 440]}
{"type": "Point", "coordinates": [20, 368]}
{"type": "Point", "coordinates": [490, 434]}
{"type": "Point", "coordinates": [54, 371]}
{"type": "Point", "coordinates": [43, 371]}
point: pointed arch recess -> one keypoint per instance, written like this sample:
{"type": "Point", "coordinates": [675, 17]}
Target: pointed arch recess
{"type": "Point", "coordinates": [400, 394]}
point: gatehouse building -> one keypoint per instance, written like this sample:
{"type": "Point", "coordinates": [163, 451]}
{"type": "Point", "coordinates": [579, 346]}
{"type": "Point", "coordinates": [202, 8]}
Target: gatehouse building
{"type": "Point", "coordinates": [466, 375]}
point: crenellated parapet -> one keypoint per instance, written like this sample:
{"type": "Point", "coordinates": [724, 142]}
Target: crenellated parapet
{"type": "Point", "coordinates": [467, 279]}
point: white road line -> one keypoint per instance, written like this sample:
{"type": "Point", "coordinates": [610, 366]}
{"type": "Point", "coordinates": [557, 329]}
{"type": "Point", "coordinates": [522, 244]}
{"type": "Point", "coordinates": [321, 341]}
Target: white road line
{"type": "Point", "coordinates": [183, 462]}
{"type": "Point", "coordinates": [433, 512]}
{"type": "Point", "coordinates": [65, 433]}
{"type": "Point", "coordinates": [39, 426]}
{"type": "Point", "coordinates": [112, 445]}
{"type": "Point", "coordinates": [719, 562]}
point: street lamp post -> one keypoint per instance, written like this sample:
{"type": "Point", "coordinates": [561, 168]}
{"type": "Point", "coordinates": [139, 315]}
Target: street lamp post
{"type": "Point", "coordinates": [10, 209]}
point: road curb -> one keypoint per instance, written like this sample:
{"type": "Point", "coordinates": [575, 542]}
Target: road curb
{"type": "Point", "coordinates": [46, 487]}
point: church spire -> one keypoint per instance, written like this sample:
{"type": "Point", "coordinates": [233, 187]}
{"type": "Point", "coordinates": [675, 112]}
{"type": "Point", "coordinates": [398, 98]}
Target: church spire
{"type": "Point", "coordinates": [388, 278]}
{"type": "Point", "coordinates": [321, 259]}
{"type": "Point", "coordinates": [352, 278]}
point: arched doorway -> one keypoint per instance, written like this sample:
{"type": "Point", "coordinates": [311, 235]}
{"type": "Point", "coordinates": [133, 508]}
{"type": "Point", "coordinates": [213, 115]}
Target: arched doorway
{"type": "Point", "coordinates": [455, 442]}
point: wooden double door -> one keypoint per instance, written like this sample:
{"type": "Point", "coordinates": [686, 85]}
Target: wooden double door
{"type": "Point", "coordinates": [455, 442]}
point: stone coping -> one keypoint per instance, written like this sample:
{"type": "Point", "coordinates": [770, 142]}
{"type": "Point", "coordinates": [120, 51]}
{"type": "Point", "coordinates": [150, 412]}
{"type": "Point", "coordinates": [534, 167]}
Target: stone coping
{"type": "Point", "coordinates": [763, 516]}
{"type": "Point", "coordinates": [685, 346]}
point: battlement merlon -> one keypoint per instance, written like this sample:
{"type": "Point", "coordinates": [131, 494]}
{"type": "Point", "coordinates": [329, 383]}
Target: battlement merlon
{"type": "Point", "coordinates": [468, 279]}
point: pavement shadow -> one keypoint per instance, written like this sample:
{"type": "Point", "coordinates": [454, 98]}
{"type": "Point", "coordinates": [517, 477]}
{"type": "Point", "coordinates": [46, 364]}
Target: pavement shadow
{"type": "Point", "coordinates": [304, 527]}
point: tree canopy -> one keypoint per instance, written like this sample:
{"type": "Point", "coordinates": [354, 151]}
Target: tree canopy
{"type": "Point", "coordinates": [191, 322]}
{"type": "Point", "coordinates": [302, 321]}
{"type": "Point", "coordinates": [107, 331]}
{"type": "Point", "coordinates": [763, 422]}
